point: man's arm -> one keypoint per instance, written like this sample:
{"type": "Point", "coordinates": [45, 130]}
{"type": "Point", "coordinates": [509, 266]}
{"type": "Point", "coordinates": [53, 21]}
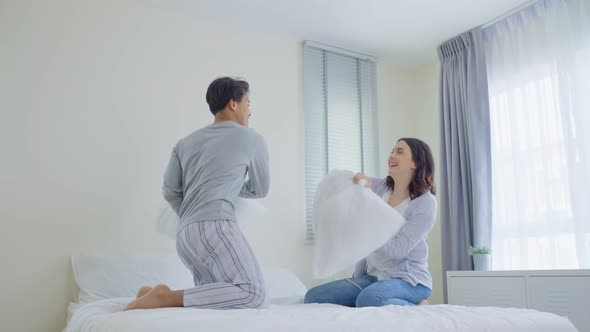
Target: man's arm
{"type": "Point", "coordinates": [258, 182]}
{"type": "Point", "coordinates": [172, 188]}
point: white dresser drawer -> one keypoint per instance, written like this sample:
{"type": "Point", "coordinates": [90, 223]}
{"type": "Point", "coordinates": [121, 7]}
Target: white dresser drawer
{"type": "Point", "coordinates": [507, 292]}
{"type": "Point", "coordinates": [564, 296]}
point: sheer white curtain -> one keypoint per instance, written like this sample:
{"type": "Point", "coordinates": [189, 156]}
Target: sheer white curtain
{"type": "Point", "coordinates": [538, 63]}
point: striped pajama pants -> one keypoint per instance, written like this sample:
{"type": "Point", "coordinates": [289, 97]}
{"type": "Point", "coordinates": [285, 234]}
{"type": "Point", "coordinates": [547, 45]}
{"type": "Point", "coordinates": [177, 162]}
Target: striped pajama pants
{"type": "Point", "coordinates": [225, 271]}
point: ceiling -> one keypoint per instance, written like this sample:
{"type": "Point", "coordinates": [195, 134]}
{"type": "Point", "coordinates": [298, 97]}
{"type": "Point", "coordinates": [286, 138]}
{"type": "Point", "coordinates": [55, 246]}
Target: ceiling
{"type": "Point", "coordinates": [408, 31]}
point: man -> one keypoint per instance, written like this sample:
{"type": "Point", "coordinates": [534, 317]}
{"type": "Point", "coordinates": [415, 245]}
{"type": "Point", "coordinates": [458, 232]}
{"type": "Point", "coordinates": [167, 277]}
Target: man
{"type": "Point", "coordinates": [206, 173]}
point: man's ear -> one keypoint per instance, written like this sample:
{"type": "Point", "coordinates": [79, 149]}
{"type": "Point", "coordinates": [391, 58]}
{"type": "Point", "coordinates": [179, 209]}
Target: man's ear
{"type": "Point", "coordinates": [232, 105]}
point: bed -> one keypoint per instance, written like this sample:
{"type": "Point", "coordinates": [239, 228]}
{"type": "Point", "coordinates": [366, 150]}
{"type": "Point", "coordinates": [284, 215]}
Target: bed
{"type": "Point", "coordinates": [102, 280]}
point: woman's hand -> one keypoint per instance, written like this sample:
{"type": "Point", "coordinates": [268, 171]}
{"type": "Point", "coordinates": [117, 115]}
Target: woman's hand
{"type": "Point", "coordinates": [362, 177]}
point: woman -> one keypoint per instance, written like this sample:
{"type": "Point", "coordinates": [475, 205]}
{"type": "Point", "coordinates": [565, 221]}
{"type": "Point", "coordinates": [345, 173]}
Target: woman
{"type": "Point", "coordinates": [396, 273]}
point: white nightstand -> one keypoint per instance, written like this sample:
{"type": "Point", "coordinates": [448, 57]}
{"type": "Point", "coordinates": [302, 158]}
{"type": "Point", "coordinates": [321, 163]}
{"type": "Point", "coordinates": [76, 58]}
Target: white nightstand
{"type": "Point", "coordinates": [562, 292]}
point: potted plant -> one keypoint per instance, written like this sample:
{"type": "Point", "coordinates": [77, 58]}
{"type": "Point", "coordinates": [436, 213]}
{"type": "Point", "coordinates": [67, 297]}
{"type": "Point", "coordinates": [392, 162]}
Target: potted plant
{"type": "Point", "coordinates": [482, 258]}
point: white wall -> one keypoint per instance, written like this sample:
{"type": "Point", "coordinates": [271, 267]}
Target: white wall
{"type": "Point", "coordinates": [104, 90]}
{"type": "Point", "coordinates": [408, 107]}
{"type": "Point", "coordinates": [93, 96]}
{"type": "Point", "coordinates": [427, 126]}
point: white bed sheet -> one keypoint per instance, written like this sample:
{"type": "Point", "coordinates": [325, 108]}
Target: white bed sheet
{"type": "Point", "coordinates": [106, 316]}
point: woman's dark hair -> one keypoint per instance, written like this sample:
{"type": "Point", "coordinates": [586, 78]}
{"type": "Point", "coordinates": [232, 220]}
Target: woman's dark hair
{"type": "Point", "coordinates": [224, 89]}
{"type": "Point", "coordinates": [423, 180]}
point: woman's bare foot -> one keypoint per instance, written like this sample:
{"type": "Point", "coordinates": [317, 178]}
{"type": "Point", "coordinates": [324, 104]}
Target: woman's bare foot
{"type": "Point", "coordinates": [161, 296]}
{"type": "Point", "coordinates": [142, 291]}
{"type": "Point", "coordinates": [422, 302]}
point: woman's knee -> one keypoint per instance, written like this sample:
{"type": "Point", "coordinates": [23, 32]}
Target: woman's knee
{"type": "Point", "coordinates": [395, 301]}
{"type": "Point", "coordinates": [325, 293]}
{"type": "Point", "coordinates": [342, 292]}
{"type": "Point", "coordinates": [313, 296]}
{"type": "Point", "coordinates": [369, 299]}
{"type": "Point", "coordinates": [372, 300]}
{"type": "Point", "coordinates": [378, 294]}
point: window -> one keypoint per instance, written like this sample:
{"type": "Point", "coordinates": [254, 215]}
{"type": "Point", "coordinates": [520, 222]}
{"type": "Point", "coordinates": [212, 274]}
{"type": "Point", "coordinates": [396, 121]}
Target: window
{"type": "Point", "coordinates": [533, 219]}
{"type": "Point", "coordinates": [340, 108]}
{"type": "Point", "coordinates": [539, 171]}
{"type": "Point", "coordinates": [539, 101]}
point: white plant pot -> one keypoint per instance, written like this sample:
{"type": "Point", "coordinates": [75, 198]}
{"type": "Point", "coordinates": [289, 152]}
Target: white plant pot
{"type": "Point", "coordinates": [482, 262]}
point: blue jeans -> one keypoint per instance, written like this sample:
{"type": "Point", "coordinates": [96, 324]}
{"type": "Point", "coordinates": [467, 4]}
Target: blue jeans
{"type": "Point", "coordinates": [366, 291]}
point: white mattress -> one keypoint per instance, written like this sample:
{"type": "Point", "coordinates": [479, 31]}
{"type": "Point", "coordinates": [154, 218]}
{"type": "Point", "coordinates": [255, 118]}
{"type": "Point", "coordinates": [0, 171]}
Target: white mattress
{"type": "Point", "coordinates": [106, 316]}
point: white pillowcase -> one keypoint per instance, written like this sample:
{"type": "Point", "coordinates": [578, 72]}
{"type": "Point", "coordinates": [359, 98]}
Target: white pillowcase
{"type": "Point", "coordinates": [350, 221]}
{"type": "Point", "coordinates": [282, 285]}
{"type": "Point", "coordinates": [103, 277]}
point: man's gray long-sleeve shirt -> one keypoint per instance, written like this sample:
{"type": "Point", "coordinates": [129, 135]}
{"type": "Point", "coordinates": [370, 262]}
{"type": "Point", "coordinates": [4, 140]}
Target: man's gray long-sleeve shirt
{"type": "Point", "coordinates": [208, 168]}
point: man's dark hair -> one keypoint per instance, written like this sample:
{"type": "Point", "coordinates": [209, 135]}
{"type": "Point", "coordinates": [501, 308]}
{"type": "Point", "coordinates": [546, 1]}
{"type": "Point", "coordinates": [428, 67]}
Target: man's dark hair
{"type": "Point", "coordinates": [224, 89]}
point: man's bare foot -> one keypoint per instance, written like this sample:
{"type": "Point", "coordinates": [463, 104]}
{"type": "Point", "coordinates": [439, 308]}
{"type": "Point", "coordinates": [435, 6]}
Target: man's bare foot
{"type": "Point", "coordinates": [422, 302]}
{"type": "Point", "coordinates": [142, 291]}
{"type": "Point", "coordinates": [161, 296]}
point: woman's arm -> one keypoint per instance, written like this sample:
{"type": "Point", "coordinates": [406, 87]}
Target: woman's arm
{"type": "Point", "coordinates": [375, 184]}
{"type": "Point", "coordinates": [413, 231]}
{"type": "Point", "coordinates": [360, 268]}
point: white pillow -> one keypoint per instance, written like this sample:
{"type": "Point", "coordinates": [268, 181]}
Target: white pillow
{"type": "Point", "coordinates": [282, 284]}
{"type": "Point", "coordinates": [103, 277]}
{"type": "Point", "coordinates": [350, 222]}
